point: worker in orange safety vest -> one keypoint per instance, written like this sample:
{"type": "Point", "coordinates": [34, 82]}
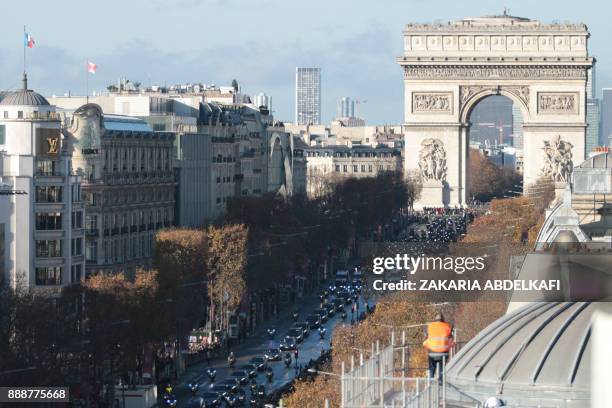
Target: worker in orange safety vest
{"type": "Point", "coordinates": [439, 342]}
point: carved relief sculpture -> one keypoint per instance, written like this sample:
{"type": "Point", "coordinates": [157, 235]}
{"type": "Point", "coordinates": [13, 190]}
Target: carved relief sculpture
{"type": "Point", "coordinates": [431, 102]}
{"type": "Point", "coordinates": [557, 160]}
{"type": "Point", "coordinates": [432, 160]}
{"type": "Point", "coordinates": [492, 72]}
{"type": "Point", "coordinates": [559, 103]}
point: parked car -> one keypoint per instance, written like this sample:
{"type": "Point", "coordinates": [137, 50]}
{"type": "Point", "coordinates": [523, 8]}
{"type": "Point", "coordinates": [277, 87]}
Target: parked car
{"type": "Point", "coordinates": [297, 334]}
{"type": "Point", "coordinates": [250, 369]}
{"type": "Point", "coordinates": [241, 377]}
{"type": "Point", "coordinates": [232, 385]}
{"type": "Point", "coordinates": [223, 389]}
{"type": "Point", "coordinates": [331, 310]}
{"type": "Point", "coordinates": [338, 304]}
{"type": "Point", "coordinates": [212, 399]}
{"type": "Point", "coordinates": [322, 314]}
{"type": "Point", "coordinates": [273, 354]}
{"type": "Point", "coordinates": [195, 402]}
{"type": "Point", "coordinates": [304, 326]}
{"type": "Point", "coordinates": [314, 321]}
{"type": "Point", "coordinates": [260, 363]}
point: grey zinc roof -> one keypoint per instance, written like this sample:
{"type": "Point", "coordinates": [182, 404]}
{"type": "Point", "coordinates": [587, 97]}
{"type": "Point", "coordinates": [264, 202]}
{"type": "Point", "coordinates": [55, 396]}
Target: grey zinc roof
{"type": "Point", "coordinates": [543, 349]}
{"type": "Point", "coordinates": [598, 161]}
{"type": "Point", "coordinates": [24, 98]}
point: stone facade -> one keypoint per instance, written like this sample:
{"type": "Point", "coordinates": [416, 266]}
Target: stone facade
{"type": "Point", "coordinates": [328, 165]}
{"type": "Point", "coordinates": [129, 189]}
{"type": "Point", "coordinates": [449, 68]}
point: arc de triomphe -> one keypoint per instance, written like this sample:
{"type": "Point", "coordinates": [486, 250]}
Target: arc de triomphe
{"type": "Point", "coordinates": [448, 68]}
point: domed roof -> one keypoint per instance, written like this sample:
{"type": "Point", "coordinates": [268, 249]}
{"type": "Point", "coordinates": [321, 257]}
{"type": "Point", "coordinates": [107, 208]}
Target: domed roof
{"type": "Point", "coordinates": [538, 353]}
{"type": "Point", "coordinates": [598, 161]}
{"type": "Point", "coordinates": [24, 97]}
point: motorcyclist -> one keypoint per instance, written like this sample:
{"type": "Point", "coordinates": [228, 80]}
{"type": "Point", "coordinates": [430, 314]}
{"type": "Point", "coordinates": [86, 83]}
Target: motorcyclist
{"type": "Point", "coordinates": [271, 333]}
{"type": "Point", "coordinates": [269, 374]}
{"type": "Point", "coordinates": [288, 359]}
{"type": "Point", "coordinates": [211, 374]}
{"type": "Point", "coordinates": [231, 360]}
{"type": "Point", "coordinates": [193, 387]}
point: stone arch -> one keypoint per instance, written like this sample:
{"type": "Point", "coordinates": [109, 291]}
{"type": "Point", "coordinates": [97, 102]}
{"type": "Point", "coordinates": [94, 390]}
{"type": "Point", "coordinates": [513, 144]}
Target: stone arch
{"type": "Point", "coordinates": [514, 94]}
{"type": "Point", "coordinates": [545, 69]}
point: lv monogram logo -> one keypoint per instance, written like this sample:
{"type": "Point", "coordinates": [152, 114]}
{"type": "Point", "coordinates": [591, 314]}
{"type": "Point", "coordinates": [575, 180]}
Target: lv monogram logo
{"type": "Point", "coordinates": [52, 145]}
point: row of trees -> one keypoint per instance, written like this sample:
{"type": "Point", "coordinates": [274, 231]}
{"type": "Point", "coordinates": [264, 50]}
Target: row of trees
{"type": "Point", "coordinates": [295, 236]}
{"type": "Point", "coordinates": [106, 327]}
{"type": "Point", "coordinates": [487, 180]}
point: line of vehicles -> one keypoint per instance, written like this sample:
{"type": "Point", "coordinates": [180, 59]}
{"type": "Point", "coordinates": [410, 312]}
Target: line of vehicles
{"type": "Point", "coordinates": [244, 386]}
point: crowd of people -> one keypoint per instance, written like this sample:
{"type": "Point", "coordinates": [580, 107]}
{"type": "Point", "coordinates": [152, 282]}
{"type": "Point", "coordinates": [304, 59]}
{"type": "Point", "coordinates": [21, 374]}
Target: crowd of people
{"type": "Point", "coordinates": [437, 225]}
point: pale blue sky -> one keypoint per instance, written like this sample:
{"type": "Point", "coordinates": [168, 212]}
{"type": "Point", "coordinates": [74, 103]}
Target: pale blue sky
{"type": "Point", "coordinates": [258, 42]}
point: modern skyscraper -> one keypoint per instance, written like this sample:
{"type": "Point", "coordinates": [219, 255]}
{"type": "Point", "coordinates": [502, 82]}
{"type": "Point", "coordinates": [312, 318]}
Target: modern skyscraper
{"type": "Point", "coordinates": [592, 119]}
{"type": "Point", "coordinates": [517, 127]}
{"type": "Point", "coordinates": [606, 115]}
{"type": "Point", "coordinates": [261, 99]}
{"type": "Point", "coordinates": [346, 107]}
{"type": "Point", "coordinates": [308, 96]}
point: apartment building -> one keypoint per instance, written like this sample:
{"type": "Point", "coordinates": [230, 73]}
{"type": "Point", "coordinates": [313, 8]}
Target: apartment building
{"type": "Point", "coordinates": [128, 186]}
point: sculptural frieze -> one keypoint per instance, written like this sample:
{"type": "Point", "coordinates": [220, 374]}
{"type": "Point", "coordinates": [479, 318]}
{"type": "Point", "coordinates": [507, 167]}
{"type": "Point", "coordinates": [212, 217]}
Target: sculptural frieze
{"type": "Point", "coordinates": [557, 160]}
{"type": "Point", "coordinates": [431, 102]}
{"type": "Point", "coordinates": [560, 103]}
{"type": "Point", "coordinates": [492, 72]}
{"type": "Point", "coordinates": [432, 160]}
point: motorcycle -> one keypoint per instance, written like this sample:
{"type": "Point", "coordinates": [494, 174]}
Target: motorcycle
{"type": "Point", "coordinates": [194, 388]}
{"type": "Point", "coordinates": [170, 401]}
{"type": "Point", "coordinates": [241, 397]}
{"type": "Point", "coordinates": [288, 360]}
{"type": "Point", "coordinates": [322, 332]}
{"type": "Point", "coordinates": [269, 374]}
{"type": "Point", "coordinates": [212, 374]}
{"type": "Point", "coordinates": [271, 333]}
{"type": "Point", "coordinates": [254, 387]}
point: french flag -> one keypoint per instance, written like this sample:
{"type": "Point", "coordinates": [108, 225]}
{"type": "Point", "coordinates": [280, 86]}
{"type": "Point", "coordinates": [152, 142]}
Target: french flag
{"type": "Point", "coordinates": [28, 41]}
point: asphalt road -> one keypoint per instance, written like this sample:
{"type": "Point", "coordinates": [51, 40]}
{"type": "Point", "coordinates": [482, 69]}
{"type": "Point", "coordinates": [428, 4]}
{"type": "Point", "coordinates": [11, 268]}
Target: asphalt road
{"type": "Point", "coordinates": [255, 346]}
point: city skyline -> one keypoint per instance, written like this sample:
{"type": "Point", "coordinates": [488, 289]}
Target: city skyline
{"type": "Point", "coordinates": [348, 51]}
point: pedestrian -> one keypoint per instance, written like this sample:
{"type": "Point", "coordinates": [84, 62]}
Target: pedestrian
{"type": "Point", "coordinates": [438, 343]}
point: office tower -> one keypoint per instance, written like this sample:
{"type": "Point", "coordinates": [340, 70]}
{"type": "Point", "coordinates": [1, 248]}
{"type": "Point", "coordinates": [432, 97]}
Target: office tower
{"type": "Point", "coordinates": [592, 119]}
{"type": "Point", "coordinates": [261, 99]}
{"type": "Point", "coordinates": [308, 96]}
{"type": "Point", "coordinates": [606, 115]}
{"type": "Point", "coordinates": [346, 108]}
{"type": "Point", "coordinates": [517, 127]}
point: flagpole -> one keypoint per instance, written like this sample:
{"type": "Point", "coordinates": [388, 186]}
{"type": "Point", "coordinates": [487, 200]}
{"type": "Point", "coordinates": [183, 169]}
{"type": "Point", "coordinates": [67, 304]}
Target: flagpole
{"type": "Point", "coordinates": [24, 49]}
{"type": "Point", "coordinates": [87, 82]}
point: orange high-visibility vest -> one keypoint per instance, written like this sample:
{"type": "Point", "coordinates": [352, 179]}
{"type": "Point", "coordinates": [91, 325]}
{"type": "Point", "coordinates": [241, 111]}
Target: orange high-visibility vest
{"type": "Point", "coordinates": [439, 338]}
